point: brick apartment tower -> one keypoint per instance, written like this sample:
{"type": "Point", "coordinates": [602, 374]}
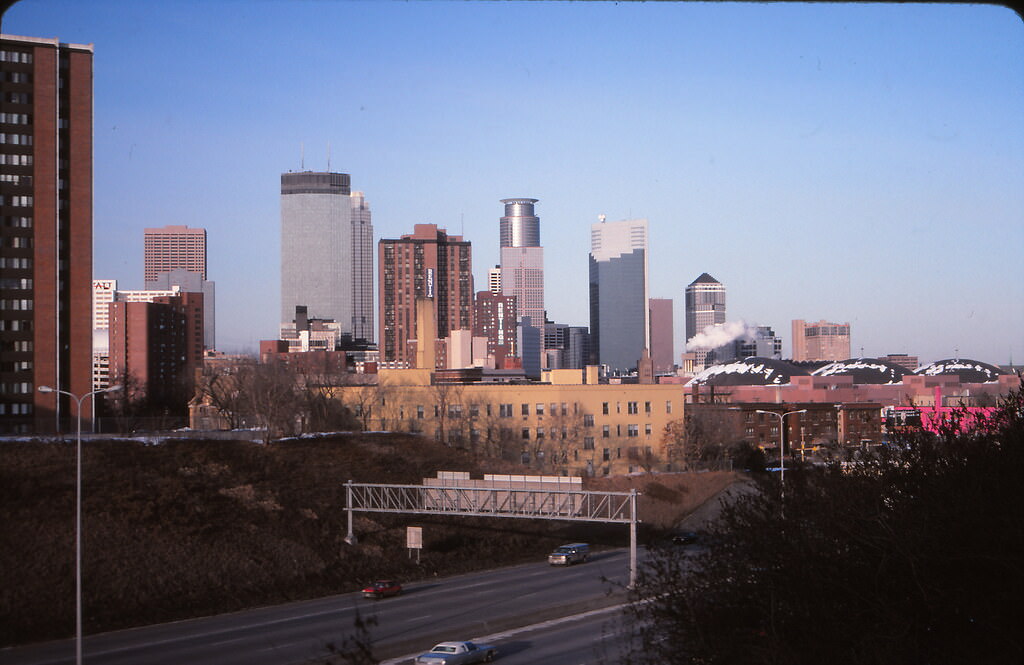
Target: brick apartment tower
{"type": "Point", "coordinates": [662, 338]}
{"type": "Point", "coordinates": [494, 317]}
{"type": "Point", "coordinates": [159, 344]}
{"type": "Point", "coordinates": [173, 248]}
{"type": "Point", "coordinates": [46, 229]}
{"type": "Point", "coordinates": [428, 263]}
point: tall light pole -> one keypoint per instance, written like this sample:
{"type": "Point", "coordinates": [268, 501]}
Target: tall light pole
{"type": "Point", "coordinates": [78, 511]}
{"type": "Point", "coordinates": [782, 445]}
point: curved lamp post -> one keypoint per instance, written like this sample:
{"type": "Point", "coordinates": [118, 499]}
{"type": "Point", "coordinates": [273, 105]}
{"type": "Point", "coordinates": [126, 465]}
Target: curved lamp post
{"type": "Point", "coordinates": [782, 445]}
{"type": "Point", "coordinates": [78, 511]}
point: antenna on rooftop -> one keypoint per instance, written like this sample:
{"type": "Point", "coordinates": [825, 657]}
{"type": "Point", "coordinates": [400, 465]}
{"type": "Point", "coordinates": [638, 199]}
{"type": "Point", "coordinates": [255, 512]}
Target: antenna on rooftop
{"type": "Point", "coordinates": [328, 156]}
{"type": "Point", "coordinates": [302, 156]}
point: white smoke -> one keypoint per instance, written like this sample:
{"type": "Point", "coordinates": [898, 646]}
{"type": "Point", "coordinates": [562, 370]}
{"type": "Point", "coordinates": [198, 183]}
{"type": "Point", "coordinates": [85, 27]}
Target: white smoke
{"type": "Point", "coordinates": [720, 334]}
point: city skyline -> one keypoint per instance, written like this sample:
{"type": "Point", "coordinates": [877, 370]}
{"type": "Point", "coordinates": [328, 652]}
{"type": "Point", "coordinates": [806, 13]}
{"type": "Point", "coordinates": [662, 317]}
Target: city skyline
{"type": "Point", "coordinates": [825, 161]}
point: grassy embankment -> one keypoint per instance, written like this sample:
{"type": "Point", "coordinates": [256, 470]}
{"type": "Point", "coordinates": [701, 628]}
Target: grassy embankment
{"type": "Point", "coordinates": [189, 528]}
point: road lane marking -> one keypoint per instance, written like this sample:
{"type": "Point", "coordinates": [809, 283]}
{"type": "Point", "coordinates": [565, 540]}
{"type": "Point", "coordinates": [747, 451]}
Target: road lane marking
{"type": "Point", "coordinates": [504, 635]}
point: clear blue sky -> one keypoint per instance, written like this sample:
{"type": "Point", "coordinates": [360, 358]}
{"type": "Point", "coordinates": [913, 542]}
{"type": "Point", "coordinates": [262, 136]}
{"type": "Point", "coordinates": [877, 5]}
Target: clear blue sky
{"type": "Point", "coordinates": [860, 163]}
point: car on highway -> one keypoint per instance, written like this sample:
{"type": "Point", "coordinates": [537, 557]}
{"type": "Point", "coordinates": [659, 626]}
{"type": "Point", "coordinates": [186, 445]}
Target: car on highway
{"type": "Point", "coordinates": [457, 653]}
{"type": "Point", "coordinates": [382, 589]}
{"type": "Point", "coordinates": [684, 538]}
{"type": "Point", "coordinates": [567, 555]}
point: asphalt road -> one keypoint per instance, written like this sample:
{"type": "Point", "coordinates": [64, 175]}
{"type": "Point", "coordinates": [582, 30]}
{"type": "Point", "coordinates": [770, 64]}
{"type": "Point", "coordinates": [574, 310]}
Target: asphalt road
{"type": "Point", "coordinates": [428, 612]}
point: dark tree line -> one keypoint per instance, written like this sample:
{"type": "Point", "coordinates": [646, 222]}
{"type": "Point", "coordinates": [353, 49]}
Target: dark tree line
{"type": "Point", "coordinates": [280, 400]}
{"type": "Point", "coordinates": [910, 555]}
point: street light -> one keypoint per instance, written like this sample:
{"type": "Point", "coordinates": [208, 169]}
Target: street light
{"type": "Point", "coordinates": [78, 511]}
{"type": "Point", "coordinates": [782, 444]}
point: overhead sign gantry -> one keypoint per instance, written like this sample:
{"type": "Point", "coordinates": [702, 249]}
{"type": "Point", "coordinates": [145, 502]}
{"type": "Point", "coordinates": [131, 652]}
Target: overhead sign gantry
{"type": "Point", "coordinates": [523, 497]}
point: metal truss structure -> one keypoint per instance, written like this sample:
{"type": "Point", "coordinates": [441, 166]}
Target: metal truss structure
{"type": "Point", "coordinates": [497, 501]}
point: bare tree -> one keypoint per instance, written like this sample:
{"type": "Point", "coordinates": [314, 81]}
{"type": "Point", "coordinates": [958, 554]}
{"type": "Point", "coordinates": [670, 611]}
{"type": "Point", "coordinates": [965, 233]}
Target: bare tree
{"type": "Point", "coordinates": [447, 402]}
{"type": "Point", "coordinates": [219, 387]}
{"type": "Point", "coordinates": [271, 399]}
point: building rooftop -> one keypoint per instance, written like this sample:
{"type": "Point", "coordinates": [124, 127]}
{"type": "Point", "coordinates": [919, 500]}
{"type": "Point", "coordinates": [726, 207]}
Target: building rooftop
{"type": "Point", "coordinates": [969, 371]}
{"type": "Point", "coordinates": [865, 370]}
{"type": "Point", "coordinates": [753, 371]}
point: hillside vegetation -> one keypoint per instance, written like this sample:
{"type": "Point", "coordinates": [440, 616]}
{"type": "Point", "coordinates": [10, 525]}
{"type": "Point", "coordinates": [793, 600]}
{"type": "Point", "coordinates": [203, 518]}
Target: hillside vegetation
{"type": "Point", "coordinates": [193, 528]}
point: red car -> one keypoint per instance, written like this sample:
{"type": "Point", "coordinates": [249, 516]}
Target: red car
{"type": "Point", "coordinates": [382, 588]}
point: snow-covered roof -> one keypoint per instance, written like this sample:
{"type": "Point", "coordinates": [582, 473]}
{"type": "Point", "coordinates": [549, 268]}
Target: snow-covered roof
{"type": "Point", "coordinates": [753, 371]}
{"type": "Point", "coordinates": [969, 371]}
{"type": "Point", "coordinates": [865, 370]}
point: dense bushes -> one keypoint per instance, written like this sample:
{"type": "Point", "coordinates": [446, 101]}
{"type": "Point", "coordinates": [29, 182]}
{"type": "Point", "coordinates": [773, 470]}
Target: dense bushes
{"type": "Point", "coordinates": [912, 555]}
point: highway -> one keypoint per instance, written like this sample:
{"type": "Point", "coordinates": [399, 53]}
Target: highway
{"type": "Point", "coordinates": [464, 607]}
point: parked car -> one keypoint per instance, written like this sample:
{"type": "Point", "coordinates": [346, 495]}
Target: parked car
{"type": "Point", "coordinates": [457, 653]}
{"type": "Point", "coordinates": [382, 588]}
{"type": "Point", "coordinates": [569, 554]}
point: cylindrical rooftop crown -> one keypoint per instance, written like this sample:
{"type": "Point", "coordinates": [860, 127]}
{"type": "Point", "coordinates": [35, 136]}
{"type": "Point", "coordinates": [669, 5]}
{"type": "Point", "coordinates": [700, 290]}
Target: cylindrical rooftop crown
{"type": "Point", "coordinates": [519, 227]}
{"type": "Point", "coordinates": [310, 182]}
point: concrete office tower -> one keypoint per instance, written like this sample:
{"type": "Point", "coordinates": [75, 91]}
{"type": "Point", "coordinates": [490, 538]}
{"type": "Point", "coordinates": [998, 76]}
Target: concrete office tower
{"type": "Point", "coordinates": [326, 251]}
{"type": "Point", "coordinates": [522, 258]}
{"type": "Point", "coordinates": [820, 341]}
{"type": "Point", "coordinates": [425, 264]}
{"type": "Point", "coordinates": [705, 306]}
{"type": "Point", "coordinates": [494, 280]}
{"type": "Point", "coordinates": [662, 342]}
{"type": "Point", "coordinates": [619, 314]}
{"type": "Point", "coordinates": [46, 249]}
{"type": "Point", "coordinates": [174, 247]}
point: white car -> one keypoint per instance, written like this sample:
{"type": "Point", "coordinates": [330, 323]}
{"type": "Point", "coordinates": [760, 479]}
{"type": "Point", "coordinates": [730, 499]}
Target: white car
{"type": "Point", "coordinates": [457, 653]}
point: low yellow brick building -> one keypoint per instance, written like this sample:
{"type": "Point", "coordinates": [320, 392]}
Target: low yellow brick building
{"type": "Point", "coordinates": [567, 424]}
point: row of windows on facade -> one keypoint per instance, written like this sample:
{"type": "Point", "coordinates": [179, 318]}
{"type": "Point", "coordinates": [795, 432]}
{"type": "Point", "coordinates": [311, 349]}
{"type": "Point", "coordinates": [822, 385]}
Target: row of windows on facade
{"type": "Point", "coordinates": [16, 304]}
{"type": "Point", "coordinates": [16, 118]}
{"type": "Point", "coordinates": [15, 409]}
{"type": "Point", "coordinates": [15, 263]}
{"type": "Point", "coordinates": [16, 366]}
{"type": "Point", "coordinates": [16, 201]}
{"type": "Point", "coordinates": [23, 57]}
{"type": "Point", "coordinates": [15, 160]}
{"type": "Point", "coordinates": [15, 77]}
{"type": "Point", "coordinates": [15, 283]}
{"type": "Point", "coordinates": [16, 387]}
{"type": "Point", "coordinates": [16, 242]}
{"type": "Point", "coordinates": [18, 98]}
{"type": "Point", "coordinates": [16, 346]}
{"type": "Point", "coordinates": [15, 325]}
{"type": "Point", "coordinates": [15, 139]}
{"type": "Point", "coordinates": [15, 179]}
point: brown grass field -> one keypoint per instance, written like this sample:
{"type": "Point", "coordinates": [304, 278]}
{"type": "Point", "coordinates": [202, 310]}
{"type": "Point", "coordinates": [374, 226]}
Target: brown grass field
{"type": "Point", "coordinates": [194, 528]}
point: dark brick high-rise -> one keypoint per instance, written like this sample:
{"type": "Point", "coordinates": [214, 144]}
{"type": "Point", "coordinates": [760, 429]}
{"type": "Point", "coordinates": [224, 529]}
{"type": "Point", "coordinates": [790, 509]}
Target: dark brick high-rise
{"type": "Point", "coordinates": [45, 231]}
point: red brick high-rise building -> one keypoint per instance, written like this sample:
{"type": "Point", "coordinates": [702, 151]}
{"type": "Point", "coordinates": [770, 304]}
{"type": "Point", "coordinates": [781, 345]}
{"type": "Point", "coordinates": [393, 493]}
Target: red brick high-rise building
{"type": "Point", "coordinates": [45, 231]}
{"type": "Point", "coordinates": [174, 247]}
{"type": "Point", "coordinates": [428, 263]}
{"type": "Point", "coordinates": [156, 346]}
{"type": "Point", "coordinates": [494, 317]}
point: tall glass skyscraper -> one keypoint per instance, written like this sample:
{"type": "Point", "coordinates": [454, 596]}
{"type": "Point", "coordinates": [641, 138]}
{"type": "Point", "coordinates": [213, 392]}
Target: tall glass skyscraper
{"type": "Point", "coordinates": [522, 259]}
{"type": "Point", "coordinates": [619, 313]}
{"type": "Point", "coordinates": [326, 251]}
